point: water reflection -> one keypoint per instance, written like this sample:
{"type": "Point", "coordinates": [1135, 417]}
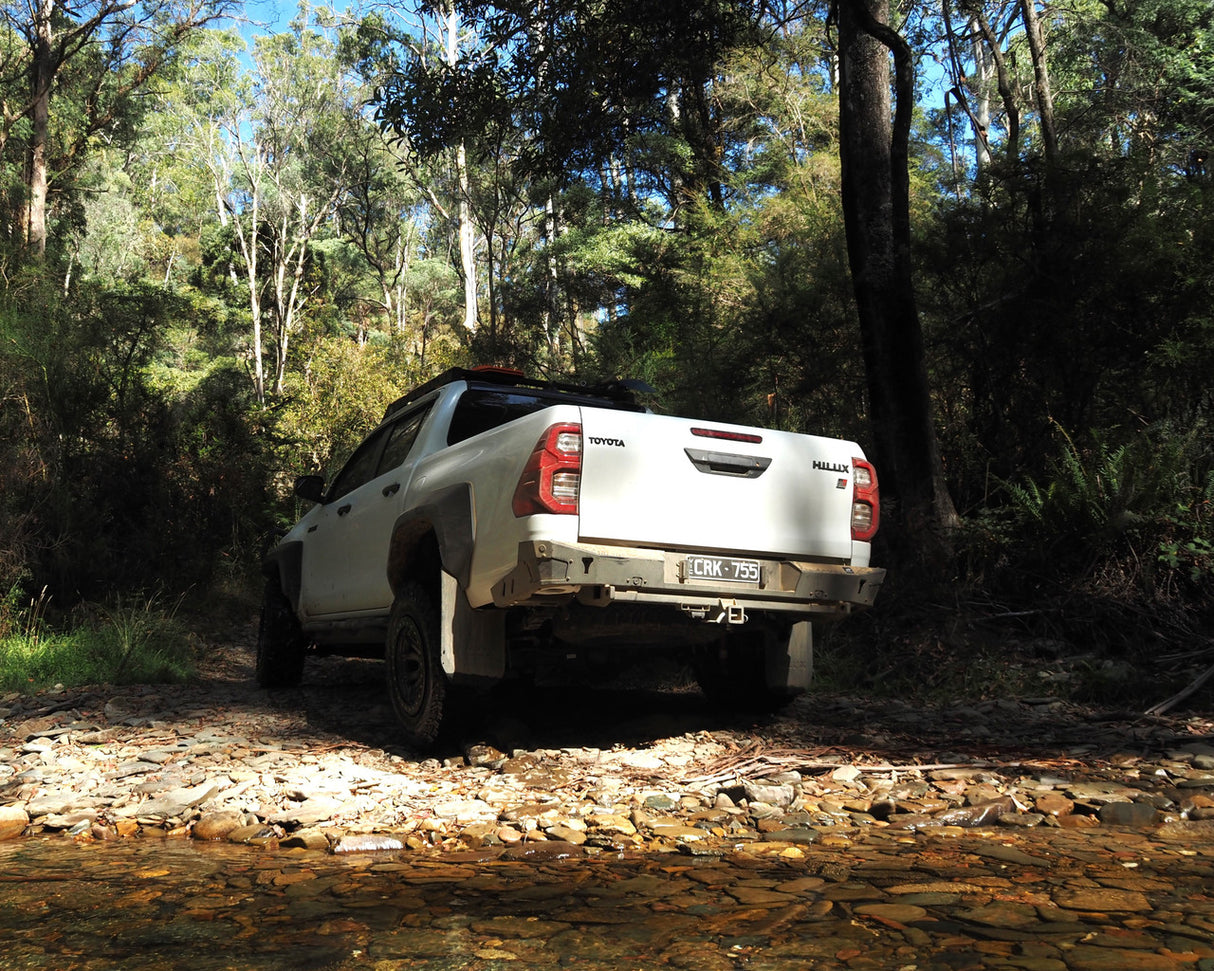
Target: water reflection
{"type": "Point", "coordinates": [885, 900]}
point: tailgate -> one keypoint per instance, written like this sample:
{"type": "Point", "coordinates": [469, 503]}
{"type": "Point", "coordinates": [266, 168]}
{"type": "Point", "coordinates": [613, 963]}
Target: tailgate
{"type": "Point", "coordinates": [657, 481]}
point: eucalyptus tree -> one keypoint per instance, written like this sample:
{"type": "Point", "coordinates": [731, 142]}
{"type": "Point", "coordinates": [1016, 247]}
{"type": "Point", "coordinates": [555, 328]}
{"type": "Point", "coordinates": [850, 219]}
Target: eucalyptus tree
{"type": "Point", "coordinates": [276, 143]}
{"type": "Point", "coordinates": [382, 214]}
{"type": "Point", "coordinates": [99, 53]}
{"type": "Point", "coordinates": [393, 55]}
{"type": "Point", "coordinates": [563, 95]}
{"type": "Point", "coordinates": [1070, 283]}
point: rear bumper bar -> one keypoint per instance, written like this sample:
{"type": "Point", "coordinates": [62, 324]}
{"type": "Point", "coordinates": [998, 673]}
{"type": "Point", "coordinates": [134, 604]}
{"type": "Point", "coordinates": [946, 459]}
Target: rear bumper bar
{"type": "Point", "coordinates": [548, 572]}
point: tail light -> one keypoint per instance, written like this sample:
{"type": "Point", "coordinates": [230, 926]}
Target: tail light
{"type": "Point", "coordinates": [553, 474]}
{"type": "Point", "coordinates": [865, 501]}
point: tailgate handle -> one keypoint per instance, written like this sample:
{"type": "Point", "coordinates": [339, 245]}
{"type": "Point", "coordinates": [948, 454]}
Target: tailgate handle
{"type": "Point", "coordinates": [725, 463]}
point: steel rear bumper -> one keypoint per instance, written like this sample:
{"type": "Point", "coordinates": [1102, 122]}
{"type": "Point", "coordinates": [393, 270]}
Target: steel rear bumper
{"type": "Point", "coordinates": [548, 572]}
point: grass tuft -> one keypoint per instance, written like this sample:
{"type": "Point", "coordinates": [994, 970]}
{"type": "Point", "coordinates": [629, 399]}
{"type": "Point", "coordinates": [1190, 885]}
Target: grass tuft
{"type": "Point", "coordinates": [129, 641]}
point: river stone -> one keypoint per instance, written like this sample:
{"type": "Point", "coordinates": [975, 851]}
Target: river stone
{"type": "Point", "coordinates": [542, 851]}
{"type": "Point", "coordinates": [484, 755]}
{"type": "Point", "coordinates": [1098, 793]}
{"type": "Point", "coordinates": [1087, 957]}
{"type": "Point", "coordinates": [759, 896]}
{"type": "Point", "coordinates": [792, 836]}
{"type": "Point", "coordinates": [1101, 900]}
{"type": "Point", "coordinates": [1023, 820]}
{"type": "Point", "coordinates": [1004, 914]}
{"type": "Point", "coordinates": [676, 829]}
{"type": "Point", "coordinates": [307, 839]}
{"type": "Point", "coordinates": [781, 794]}
{"type": "Point", "coordinates": [465, 812]}
{"type": "Point", "coordinates": [983, 814]}
{"type": "Point", "coordinates": [50, 804]}
{"type": "Point", "coordinates": [612, 823]}
{"type": "Point", "coordinates": [139, 766]}
{"type": "Point", "coordinates": [254, 833]}
{"type": "Point", "coordinates": [480, 834]}
{"type": "Point", "coordinates": [367, 843]}
{"type": "Point", "coordinates": [1011, 854]}
{"type": "Point", "coordinates": [1054, 804]}
{"type": "Point", "coordinates": [13, 820]}
{"type": "Point", "coordinates": [643, 761]}
{"type": "Point", "coordinates": [316, 809]}
{"type": "Point", "coordinates": [172, 803]}
{"type": "Point", "coordinates": [899, 913]}
{"type": "Point", "coordinates": [217, 826]}
{"type": "Point", "coordinates": [70, 821]}
{"type": "Point", "coordinates": [1127, 814]}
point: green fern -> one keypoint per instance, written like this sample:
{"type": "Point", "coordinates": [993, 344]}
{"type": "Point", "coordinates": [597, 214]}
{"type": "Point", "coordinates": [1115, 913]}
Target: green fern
{"type": "Point", "coordinates": [1152, 494]}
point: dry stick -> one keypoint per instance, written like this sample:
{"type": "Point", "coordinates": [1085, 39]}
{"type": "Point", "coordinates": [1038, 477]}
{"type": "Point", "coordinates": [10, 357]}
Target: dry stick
{"type": "Point", "coordinates": [736, 771]}
{"type": "Point", "coordinates": [1180, 696]}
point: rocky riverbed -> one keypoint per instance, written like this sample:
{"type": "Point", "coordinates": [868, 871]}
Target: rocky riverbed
{"type": "Point", "coordinates": [566, 770]}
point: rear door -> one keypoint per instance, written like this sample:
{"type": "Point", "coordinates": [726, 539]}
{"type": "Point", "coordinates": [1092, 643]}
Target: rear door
{"type": "Point", "coordinates": [676, 483]}
{"type": "Point", "coordinates": [345, 560]}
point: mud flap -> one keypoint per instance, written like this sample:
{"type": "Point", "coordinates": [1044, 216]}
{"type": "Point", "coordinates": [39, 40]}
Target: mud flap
{"type": "Point", "coordinates": [473, 642]}
{"type": "Point", "coordinates": [790, 664]}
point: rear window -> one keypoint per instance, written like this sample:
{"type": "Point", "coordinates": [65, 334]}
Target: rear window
{"type": "Point", "coordinates": [481, 409]}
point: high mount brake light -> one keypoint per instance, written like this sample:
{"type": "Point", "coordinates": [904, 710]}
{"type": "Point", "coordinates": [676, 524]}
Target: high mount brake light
{"type": "Point", "coordinates": [725, 436]}
{"type": "Point", "coordinates": [865, 501]}
{"type": "Point", "coordinates": [553, 473]}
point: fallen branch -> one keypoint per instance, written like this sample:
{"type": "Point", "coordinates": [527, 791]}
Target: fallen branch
{"type": "Point", "coordinates": [768, 763]}
{"type": "Point", "coordinates": [1181, 695]}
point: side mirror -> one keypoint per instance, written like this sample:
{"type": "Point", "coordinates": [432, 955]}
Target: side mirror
{"type": "Point", "coordinates": [310, 487]}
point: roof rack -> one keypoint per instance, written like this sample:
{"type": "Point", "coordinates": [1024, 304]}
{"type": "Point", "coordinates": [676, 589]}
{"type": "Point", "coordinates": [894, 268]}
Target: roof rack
{"type": "Point", "coordinates": [619, 390]}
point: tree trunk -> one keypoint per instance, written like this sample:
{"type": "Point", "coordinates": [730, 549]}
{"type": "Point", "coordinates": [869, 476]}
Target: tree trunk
{"type": "Point", "coordinates": [1041, 81]}
{"type": "Point", "coordinates": [1003, 80]}
{"type": "Point", "coordinates": [876, 212]}
{"type": "Point", "coordinates": [42, 74]}
{"type": "Point", "coordinates": [248, 250]}
{"type": "Point", "coordinates": [984, 69]}
{"type": "Point", "coordinates": [467, 231]}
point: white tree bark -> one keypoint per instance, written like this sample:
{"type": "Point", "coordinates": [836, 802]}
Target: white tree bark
{"type": "Point", "coordinates": [467, 230]}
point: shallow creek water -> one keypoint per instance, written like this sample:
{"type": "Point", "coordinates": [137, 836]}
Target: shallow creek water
{"type": "Point", "coordinates": [1051, 899]}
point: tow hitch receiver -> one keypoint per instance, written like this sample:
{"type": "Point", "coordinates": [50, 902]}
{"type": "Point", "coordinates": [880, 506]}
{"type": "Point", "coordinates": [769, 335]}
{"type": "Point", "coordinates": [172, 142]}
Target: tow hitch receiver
{"type": "Point", "coordinates": [722, 612]}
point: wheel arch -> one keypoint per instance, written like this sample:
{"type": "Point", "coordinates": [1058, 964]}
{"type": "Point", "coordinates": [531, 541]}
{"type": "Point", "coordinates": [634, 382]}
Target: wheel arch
{"type": "Point", "coordinates": [284, 563]}
{"type": "Point", "coordinates": [431, 538]}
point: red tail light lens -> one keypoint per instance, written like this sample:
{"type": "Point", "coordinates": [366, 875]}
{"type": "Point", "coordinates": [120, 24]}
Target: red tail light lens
{"type": "Point", "coordinates": [865, 501]}
{"type": "Point", "coordinates": [724, 436]}
{"type": "Point", "coordinates": [553, 474]}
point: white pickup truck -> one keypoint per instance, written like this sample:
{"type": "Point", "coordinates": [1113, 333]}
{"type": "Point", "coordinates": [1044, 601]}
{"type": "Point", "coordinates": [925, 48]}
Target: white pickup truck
{"type": "Point", "coordinates": [491, 522]}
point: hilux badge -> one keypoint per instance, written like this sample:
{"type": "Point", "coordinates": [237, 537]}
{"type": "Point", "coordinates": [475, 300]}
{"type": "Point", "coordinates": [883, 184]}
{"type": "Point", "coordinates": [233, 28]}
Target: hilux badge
{"type": "Point", "coordinates": [831, 466]}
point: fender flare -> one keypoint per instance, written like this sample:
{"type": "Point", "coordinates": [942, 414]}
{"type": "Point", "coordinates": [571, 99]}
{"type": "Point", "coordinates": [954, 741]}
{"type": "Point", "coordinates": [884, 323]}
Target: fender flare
{"type": "Point", "coordinates": [447, 516]}
{"type": "Point", "coordinates": [285, 562]}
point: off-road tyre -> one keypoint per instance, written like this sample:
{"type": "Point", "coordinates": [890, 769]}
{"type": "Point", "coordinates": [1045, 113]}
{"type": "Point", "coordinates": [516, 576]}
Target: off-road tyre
{"type": "Point", "coordinates": [417, 684]}
{"type": "Point", "coordinates": [280, 642]}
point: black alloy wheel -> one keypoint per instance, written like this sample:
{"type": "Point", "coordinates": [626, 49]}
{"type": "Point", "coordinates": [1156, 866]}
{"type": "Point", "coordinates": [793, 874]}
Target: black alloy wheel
{"type": "Point", "coordinates": [417, 684]}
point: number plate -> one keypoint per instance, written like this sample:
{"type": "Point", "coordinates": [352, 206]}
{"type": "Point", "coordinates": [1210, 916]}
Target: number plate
{"type": "Point", "coordinates": [725, 568]}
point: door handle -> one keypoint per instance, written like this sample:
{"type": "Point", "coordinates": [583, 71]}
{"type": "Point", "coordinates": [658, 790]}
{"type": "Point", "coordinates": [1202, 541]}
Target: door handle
{"type": "Point", "coordinates": [391, 490]}
{"type": "Point", "coordinates": [342, 510]}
